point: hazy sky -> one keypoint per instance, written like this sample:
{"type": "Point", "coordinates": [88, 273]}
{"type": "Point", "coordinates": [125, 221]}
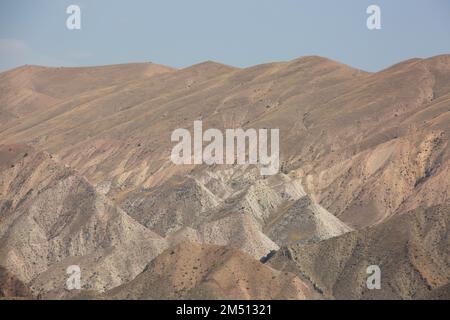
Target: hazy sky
{"type": "Point", "coordinates": [236, 32]}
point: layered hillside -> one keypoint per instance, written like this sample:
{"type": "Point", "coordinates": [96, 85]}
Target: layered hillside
{"type": "Point", "coordinates": [52, 218]}
{"type": "Point", "coordinates": [86, 179]}
{"type": "Point", "coordinates": [411, 249]}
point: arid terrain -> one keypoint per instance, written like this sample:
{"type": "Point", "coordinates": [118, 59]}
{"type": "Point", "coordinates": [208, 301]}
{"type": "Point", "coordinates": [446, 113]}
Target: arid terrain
{"type": "Point", "coordinates": [86, 179]}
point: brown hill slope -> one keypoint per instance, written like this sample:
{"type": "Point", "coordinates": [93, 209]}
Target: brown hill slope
{"type": "Point", "coordinates": [36, 88]}
{"type": "Point", "coordinates": [411, 249]}
{"type": "Point", "coordinates": [191, 271]}
{"type": "Point", "coordinates": [383, 136]}
{"type": "Point", "coordinates": [136, 121]}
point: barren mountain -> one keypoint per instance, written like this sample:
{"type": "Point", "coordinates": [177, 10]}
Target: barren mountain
{"type": "Point", "coordinates": [35, 88]}
{"type": "Point", "coordinates": [339, 127]}
{"type": "Point", "coordinates": [86, 177]}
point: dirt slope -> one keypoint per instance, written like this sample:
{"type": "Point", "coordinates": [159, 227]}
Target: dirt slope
{"type": "Point", "coordinates": [411, 249]}
{"type": "Point", "coordinates": [192, 271]}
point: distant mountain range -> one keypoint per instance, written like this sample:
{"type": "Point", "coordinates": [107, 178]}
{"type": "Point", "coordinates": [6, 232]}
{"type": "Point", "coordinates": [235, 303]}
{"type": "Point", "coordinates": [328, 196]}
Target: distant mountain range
{"type": "Point", "coordinates": [86, 179]}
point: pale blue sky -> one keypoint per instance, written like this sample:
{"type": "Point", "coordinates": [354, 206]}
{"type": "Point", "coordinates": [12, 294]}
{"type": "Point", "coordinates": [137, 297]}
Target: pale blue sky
{"type": "Point", "coordinates": [236, 32]}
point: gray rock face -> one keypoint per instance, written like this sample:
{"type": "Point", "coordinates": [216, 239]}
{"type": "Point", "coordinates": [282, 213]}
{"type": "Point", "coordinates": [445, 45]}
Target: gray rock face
{"type": "Point", "coordinates": [55, 219]}
{"type": "Point", "coordinates": [304, 221]}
